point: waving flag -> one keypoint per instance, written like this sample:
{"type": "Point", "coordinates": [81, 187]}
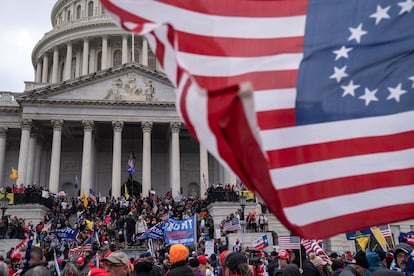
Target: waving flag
{"type": "Point", "coordinates": [261, 243]}
{"type": "Point", "coordinates": [14, 175]}
{"type": "Point", "coordinates": [232, 225]}
{"type": "Point", "coordinates": [312, 246]}
{"type": "Point", "coordinates": [321, 100]}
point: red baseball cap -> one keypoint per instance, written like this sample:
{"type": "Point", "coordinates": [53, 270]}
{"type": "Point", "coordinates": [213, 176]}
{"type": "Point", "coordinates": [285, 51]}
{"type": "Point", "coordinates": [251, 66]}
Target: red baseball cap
{"type": "Point", "coordinates": [202, 259]}
{"type": "Point", "coordinates": [80, 260]}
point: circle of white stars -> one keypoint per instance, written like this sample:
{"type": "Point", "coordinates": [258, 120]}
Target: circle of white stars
{"type": "Point", "coordinates": [357, 34]}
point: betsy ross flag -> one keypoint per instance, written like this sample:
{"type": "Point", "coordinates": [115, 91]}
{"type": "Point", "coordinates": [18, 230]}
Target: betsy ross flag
{"type": "Point", "coordinates": [289, 242]}
{"type": "Point", "coordinates": [319, 99]}
{"type": "Point", "coordinates": [261, 243]}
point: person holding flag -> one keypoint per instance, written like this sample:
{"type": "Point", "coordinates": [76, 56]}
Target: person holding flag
{"type": "Point", "coordinates": [36, 264]}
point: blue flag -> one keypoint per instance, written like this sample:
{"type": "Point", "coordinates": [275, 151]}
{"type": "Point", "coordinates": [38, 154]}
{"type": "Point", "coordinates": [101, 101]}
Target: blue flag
{"type": "Point", "coordinates": [180, 231]}
{"type": "Point", "coordinates": [156, 232]}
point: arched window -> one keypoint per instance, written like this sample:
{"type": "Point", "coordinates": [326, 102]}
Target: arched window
{"type": "Point", "coordinates": [99, 61]}
{"type": "Point", "coordinates": [90, 8]}
{"type": "Point", "coordinates": [68, 16]}
{"type": "Point", "coordinates": [152, 61]}
{"type": "Point", "coordinates": [78, 11]}
{"type": "Point", "coordinates": [117, 57]}
{"type": "Point", "coordinates": [73, 69]}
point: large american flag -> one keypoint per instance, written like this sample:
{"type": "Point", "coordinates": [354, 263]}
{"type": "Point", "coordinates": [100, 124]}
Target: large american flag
{"type": "Point", "coordinates": [321, 100]}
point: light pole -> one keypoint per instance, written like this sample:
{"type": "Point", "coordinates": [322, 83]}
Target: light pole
{"type": "Point", "coordinates": [242, 205]}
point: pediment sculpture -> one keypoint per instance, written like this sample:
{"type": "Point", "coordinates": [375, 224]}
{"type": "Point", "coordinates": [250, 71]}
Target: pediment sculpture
{"type": "Point", "coordinates": [131, 90]}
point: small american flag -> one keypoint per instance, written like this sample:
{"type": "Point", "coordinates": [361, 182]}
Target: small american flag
{"type": "Point", "coordinates": [312, 246]}
{"type": "Point", "coordinates": [80, 251]}
{"type": "Point", "coordinates": [232, 225]}
{"type": "Point", "coordinates": [385, 230]}
{"type": "Point", "coordinates": [289, 242]}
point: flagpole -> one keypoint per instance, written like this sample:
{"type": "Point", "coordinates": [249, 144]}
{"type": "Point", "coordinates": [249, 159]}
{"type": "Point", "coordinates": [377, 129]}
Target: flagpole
{"type": "Point", "coordinates": [132, 48]}
{"type": "Point", "coordinates": [300, 254]}
{"type": "Point", "coordinates": [195, 233]}
{"type": "Point", "coordinates": [392, 238]}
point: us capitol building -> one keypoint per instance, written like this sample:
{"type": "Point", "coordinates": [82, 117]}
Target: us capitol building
{"type": "Point", "coordinates": [98, 97]}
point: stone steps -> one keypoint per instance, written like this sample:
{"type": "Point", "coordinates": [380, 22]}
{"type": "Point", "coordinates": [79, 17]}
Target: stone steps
{"type": "Point", "coordinates": [6, 244]}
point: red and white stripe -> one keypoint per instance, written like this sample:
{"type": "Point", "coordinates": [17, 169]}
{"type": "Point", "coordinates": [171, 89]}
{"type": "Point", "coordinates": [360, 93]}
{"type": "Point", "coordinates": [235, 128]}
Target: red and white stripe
{"type": "Point", "coordinates": [235, 65]}
{"type": "Point", "coordinates": [312, 246]}
{"type": "Point", "coordinates": [80, 251]}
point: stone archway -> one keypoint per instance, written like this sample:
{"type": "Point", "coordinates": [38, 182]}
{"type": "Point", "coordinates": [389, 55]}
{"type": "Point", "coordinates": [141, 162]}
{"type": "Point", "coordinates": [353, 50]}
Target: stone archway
{"type": "Point", "coordinates": [69, 189]}
{"type": "Point", "coordinates": [193, 189]}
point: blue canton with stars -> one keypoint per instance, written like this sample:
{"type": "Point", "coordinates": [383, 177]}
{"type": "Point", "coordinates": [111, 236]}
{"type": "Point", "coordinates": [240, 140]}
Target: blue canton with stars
{"type": "Point", "coordinates": [358, 60]}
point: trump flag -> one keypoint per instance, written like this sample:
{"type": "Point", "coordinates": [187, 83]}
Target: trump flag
{"type": "Point", "coordinates": [318, 93]}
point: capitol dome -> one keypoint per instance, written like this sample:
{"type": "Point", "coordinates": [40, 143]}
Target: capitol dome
{"type": "Point", "coordinates": [98, 97]}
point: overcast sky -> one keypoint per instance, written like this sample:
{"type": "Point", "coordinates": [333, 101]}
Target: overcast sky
{"type": "Point", "coordinates": [22, 24]}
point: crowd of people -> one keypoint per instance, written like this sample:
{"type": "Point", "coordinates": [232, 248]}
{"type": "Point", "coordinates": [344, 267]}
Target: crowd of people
{"type": "Point", "coordinates": [179, 261]}
{"type": "Point", "coordinates": [110, 225]}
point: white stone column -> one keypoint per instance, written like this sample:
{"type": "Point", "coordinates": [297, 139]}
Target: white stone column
{"type": "Point", "coordinates": [55, 158]}
{"type": "Point", "coordinates": [38, 73]}
{"type": "Point", "coordinates": [104, 61]}
{"type": "Point", "coordinates": [175, 158]}
{"type": "Point", "coordinates": [92, 58]}
{"type": "Point", "coordinates": [24, 148]}
{"type": "Point", "coordinates": [31, 159]}
{"type": "Point", "coordinates": [116, 158]}
{"type": "Point", "coordinates": [124, 49]}
{"type": "Point", "coordinates": [55, 66]}
{"type": "Point", "coordinates": [86, 178]}
{"type": "Point", "coordinates": [45, 72]}
{"type": "Point", "coordinates": [38, 162]}
{"type": "Point", "coordinates": [229, 177]}
{"type": "Point", "coordinates": [203, 171]}
{"type": "Point", "coordinates": [85, 58]}
{"type": "Point", "coordinates": [146, 157]}
{"type": "Point", "coordinates": [68, 62]}
{"type": "Point", "coordinates": [3, 137]}
{"type": "Point", "coordinates": [144, 52]}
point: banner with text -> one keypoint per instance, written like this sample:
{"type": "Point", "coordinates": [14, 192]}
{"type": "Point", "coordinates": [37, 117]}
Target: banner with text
{"type": "Point", "coordinates": [66, 233]}
{"type": "Point", "coordinates": [180, 231]}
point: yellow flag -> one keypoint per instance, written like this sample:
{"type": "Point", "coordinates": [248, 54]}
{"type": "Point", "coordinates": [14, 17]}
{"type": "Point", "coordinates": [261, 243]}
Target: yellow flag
{"type": "Point", "coordinates": [85, 200]}
{"type": "Point", "coordinates": [363, 242]}
{"type": "Point", "coordinates": [379, 237]}
{"type": "Point", "coordinates": [126, 192]}
{"type": "Point", "coordinates": [89, 224]}
{"type": "Point", "coordinates": [14, 175]}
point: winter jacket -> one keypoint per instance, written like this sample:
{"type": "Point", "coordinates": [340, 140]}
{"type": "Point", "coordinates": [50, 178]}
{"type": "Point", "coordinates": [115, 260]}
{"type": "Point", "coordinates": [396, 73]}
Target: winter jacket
{"type": "Point", "coordinates": [180, 269]}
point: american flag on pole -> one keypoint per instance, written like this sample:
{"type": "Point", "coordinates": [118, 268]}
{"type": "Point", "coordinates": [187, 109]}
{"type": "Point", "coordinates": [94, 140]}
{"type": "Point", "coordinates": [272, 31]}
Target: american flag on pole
{"type": "Point", "coordinates": [319, 99]}
{"type": "Point", "coordinates": [289, 242]}
{"type": "Point", "coordinates": [312, 246]}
